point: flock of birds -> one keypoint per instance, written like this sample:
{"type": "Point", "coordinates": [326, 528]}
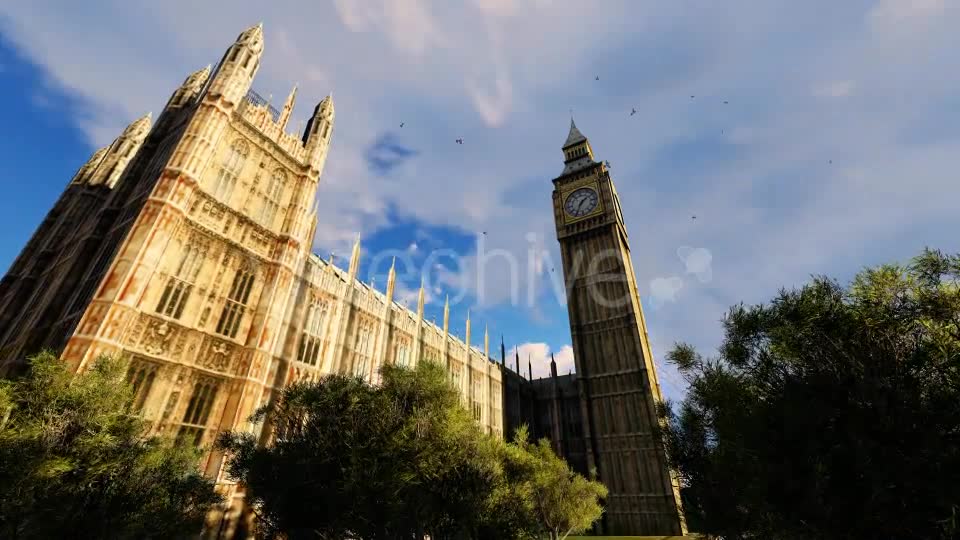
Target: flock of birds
{"type": "Point", "coordinates": [633, 111]}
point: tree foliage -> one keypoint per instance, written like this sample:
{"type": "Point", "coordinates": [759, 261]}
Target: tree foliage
{"type": "Point", "coordinates": [400, 460]}
{"type": "Point", "coordinates": [830, 412]}
{"type": "Point", "coordinates": [74, 464]}
{"type": "Point", "coordinates": [560, 501]}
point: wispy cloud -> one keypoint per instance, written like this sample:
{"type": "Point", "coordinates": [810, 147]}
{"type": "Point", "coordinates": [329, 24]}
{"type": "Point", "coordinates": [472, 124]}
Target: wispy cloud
{"type": "Point", "coordinates": [813, 164]}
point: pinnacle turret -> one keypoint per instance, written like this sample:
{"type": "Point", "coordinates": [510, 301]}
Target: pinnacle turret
{"type": "Point", "coordinates": [239, 66]}
{"type": "Point", "coordinates": [421, 299]}
{"type": "Point", "coordinates": [316, 137]}
{"type": "Point", "coordinates": [287, 108]}
{"type": "Point", "coordinates": [190, 88]}
{"type": "Point", "coordinates": [391, 280]}
{"type": "Point", "coordinates": [354, 267]}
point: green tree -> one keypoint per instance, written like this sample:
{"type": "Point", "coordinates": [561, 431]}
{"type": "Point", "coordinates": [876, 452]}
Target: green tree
{"type": "Point", "coordinates": [830, 413]}
{"type": "Point", "coordinates": [562, 502]}
{"type": "Point", "coordinates": [398, 460]}
{"type": "Point", "coordinates": [74, 464]}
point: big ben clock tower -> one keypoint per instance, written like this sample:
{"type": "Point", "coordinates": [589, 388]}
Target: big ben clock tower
{"type": "Point", "coordinates": [619, 392]}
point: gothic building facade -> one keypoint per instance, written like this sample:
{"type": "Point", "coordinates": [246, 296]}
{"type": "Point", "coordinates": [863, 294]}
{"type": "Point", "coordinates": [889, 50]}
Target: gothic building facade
{"type": "Point", "coordinates": [185, 246]}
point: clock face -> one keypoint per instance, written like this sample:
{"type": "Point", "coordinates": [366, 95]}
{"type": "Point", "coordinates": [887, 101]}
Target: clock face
{"type": "Point", "coordinates": [581, 202]}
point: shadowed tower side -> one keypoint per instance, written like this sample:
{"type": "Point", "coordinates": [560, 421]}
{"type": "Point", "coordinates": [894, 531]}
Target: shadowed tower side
{"type": "Point", "coordinates": [617, 379]}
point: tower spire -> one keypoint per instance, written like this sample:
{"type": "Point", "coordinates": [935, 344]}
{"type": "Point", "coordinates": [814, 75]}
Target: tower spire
{"type": "Point", "coordinates": [553, 366]}
{"type": "Point", "coordinates": [486, 342]}
{"type": "Point", "coordinates": [316, 136]}
{"type": "Point", "coordinates": [467, 340]}
{"type": "Point", "coordinates": [288, 108]}
{"type": "Point", "coordinates": [577, 153]}
{"type": "Point", "coordinates": [238, 67]}
{"type": "Point", "coordinates": [503, 352]}
{"type": "Point", "coordinates": [391, 280]}
{"type": "Point", "coordinates": [446, 315]}
{"type": "Point", "coordinates": [529, 368]}
{"type": "Point", "coordinates": [355, 258]}
{"type": "Point", "coordinates": [516, 351]}
{"type": "Point", "coordinates": [420, 299]}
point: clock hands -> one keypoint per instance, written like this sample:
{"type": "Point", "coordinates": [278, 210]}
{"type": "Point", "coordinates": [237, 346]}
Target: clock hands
{"type": "Point", "coordinates": [582, 201]}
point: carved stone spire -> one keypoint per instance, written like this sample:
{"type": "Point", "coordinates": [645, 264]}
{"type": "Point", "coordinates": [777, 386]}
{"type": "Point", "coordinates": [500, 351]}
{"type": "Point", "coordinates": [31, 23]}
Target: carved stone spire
{"type": "Point", "coordinates": [287, 108]}
{"type": "Point", "coordinates": [391, 280]}
{"type": "Point", "coordinates": [486, 342]}
{"type": "Point", "coordinates": [446, 315]}
{"type": "Point", "coordinates": [355, 258]}
{"type": "Point", "coordinates": [421, 298]}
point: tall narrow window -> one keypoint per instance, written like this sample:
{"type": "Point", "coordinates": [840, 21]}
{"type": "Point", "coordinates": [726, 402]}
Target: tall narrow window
{"type": "Point", "coordinates": [477, 396]}
{"type": "Point", "coordinates": [140, 376]}
{"type": "Point", "coordinates": [236, 304]}
{"type": "Point", "coordinates": [455, 375]}
{"type": "Point", "coordinates": [179, 285]}
{"type": "Point", "coordinates": [311, 337]}
{"type": "Point", "coordinates": [402, 357]}
{"type": "Point", "coordinates": [496, 406]}
{"type": "Point", "coordinates": [272, 197]}
{"type": "Point", "coordinates": [363, 348]}
{"type": "Point", "coordinates": [229, 170]}
{"type": "Point", "coordinates": [195, 418]}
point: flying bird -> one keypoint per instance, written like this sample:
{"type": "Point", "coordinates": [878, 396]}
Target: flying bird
{"type": "Point", "coordinates": [693, 217]}
{"type": "Point", "coordinates": [459, 141]}
{"type": "Point", "coordinates": [633, 112]}
{"type": "Point", "coordinates": [725, 102]}
{"type": "Point", "coordinates": [401, 124]}
{"type": "Point", "coordinates": [484, 232]}
{"type": "Point", "coordinates": [691, 97]}
{"type": "Point", "coordinates": [607, 163]}
{"type": "Point", "coordinates": [598, 78]}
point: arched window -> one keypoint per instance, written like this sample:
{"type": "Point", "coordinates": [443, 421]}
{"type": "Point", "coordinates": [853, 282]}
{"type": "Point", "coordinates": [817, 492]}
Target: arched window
{"type": "Point", "coordinates": [272, 197]}
{"type": "Point", "coordinates": [180, 284]}
{"type": "Point", "coordinates": [230, 170]}
{"type": "Point", "coordinates": [477, 395]}
{"type": "Point", "coordinates": [236, 304]}
{"type": "Point", "coordinates": [311, 338]}
{"type": "Point", "coordinates": [140, 375]}
{"type": "Point", "coordinates": [363, 348]}
{"type": "Point", "coordinates": [403, 355]}
{"type": "Point", "coordinates": [195, 418]}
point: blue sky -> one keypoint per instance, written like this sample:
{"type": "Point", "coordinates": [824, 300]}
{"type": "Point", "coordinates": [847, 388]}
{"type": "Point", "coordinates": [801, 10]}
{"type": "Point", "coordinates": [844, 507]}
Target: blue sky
{"type": "Point", "coordinates": [820, 136]}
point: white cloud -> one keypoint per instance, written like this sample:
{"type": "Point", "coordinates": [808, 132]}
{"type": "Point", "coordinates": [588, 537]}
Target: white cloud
{"type": "Point", "coordinates": [834, 89]}
{"type": "Point", "coordinates": [890, 12]}
{"type": "Point", "coordinates": [538, 356]}
{"type": "Point", "coordinates": [412, 248]}
{"type": "Point", "coordinates": [696, 261]}
{"type": "Point", "coordinates": [502, 74]}
{"type": "Point", "coordinates": [408, 297]}
{"type": "Point", "coordinates": [665, 289]}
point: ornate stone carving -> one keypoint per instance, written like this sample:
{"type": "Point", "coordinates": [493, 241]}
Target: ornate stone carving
{"type": "Point", "coordinates": [216, 355]}
{"type": "Point", "coordinates": [135, 332]}
{"type": "Point", "coordinates": [156, 339]}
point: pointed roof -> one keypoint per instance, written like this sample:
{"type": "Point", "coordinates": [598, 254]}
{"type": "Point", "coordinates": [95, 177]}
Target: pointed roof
{"type": "Point", "coordinates": [140, 126]}
{"type": "Point", "coordinates": [574, 136]}
{"type": "Point", "coordinates": [253, 38]}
